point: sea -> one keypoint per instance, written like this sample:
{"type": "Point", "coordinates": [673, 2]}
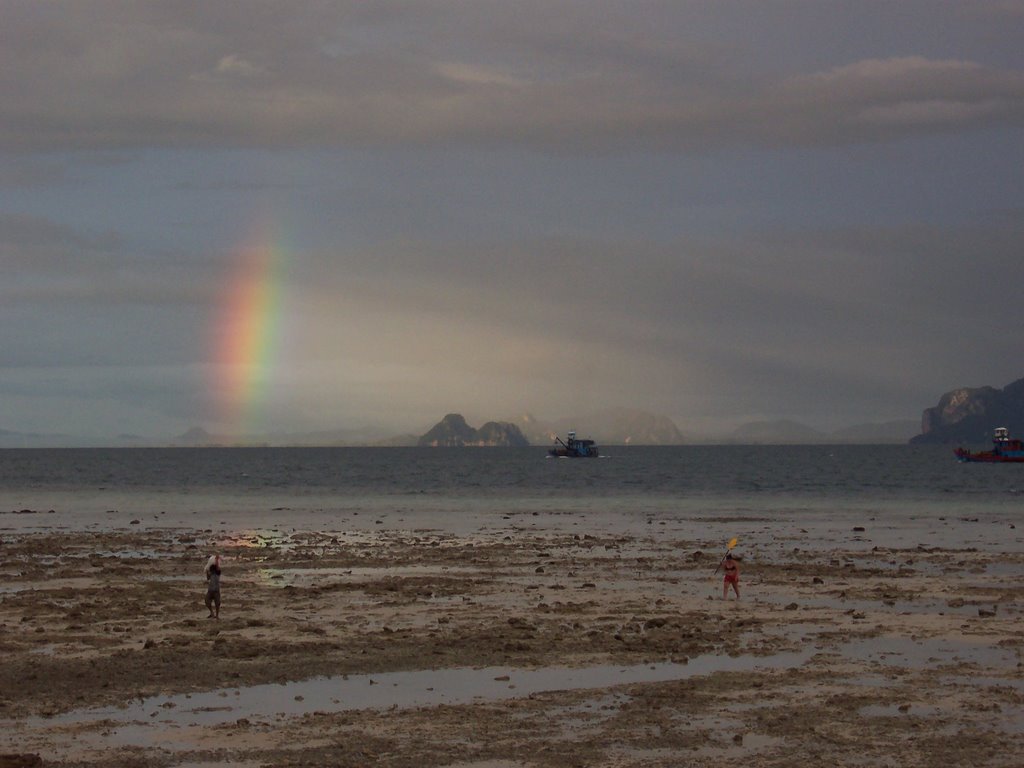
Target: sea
{"type": "Point", "coordinates": [702, 491]}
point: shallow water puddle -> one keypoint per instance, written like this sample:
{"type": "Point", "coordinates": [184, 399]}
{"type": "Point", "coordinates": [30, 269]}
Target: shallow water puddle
{"type": "Point", "coordinates": [1008, 718]}
{"type": "Point", "coordinates": [899, 605]}
{"type": "Point", "coordinates": [926, 653]}
{"type": "Point", "coordinates": [1002, 684]}
{"type": "Point", "coordinates": [902, 710]}
{"type": "Point", "coordinates": [747, 744]}
{"type": "Point", "coordinates": [154, 721]}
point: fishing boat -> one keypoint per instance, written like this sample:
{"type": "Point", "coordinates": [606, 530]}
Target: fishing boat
{"type": "Point", "coordinates": [574, 448]}
{"type": "Point", "coordinates": [1004, 449]}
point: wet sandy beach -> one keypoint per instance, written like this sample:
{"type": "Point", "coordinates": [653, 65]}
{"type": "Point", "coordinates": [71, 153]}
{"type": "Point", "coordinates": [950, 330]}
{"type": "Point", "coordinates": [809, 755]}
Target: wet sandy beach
{"type": "Point", "coordinates": [513, 639]}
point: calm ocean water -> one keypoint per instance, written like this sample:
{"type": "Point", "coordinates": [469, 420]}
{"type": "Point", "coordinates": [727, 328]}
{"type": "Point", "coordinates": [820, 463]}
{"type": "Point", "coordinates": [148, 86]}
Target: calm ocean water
{"type": "Point", "coordinates": [740, 476]}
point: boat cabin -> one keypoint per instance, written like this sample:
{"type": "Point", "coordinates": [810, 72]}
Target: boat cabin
{"type": "Point", "coordinates": [574, 447]}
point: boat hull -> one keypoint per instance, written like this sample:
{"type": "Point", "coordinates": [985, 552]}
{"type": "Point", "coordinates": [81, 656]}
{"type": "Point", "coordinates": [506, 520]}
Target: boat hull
{"type": "Point", "coordinates": [990, 457]}
{"type": "Point", "coordinates": [564, 454]}
{"type": "Point", "coordinates": [1005, 450]}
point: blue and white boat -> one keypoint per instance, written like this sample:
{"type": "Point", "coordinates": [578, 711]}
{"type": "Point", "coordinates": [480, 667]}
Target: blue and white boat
{"type": "Point", "coordinates": [574, 448]}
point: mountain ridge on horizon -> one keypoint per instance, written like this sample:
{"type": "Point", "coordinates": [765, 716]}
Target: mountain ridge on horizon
{"type": "Point", "coordinates": [609, 426]}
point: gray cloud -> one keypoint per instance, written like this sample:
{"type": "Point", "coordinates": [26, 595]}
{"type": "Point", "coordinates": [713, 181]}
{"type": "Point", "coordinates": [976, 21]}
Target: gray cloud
{"type": "Point", "coordinates": [113, 75]}
{"type": "Point", "coordinates": [884, 99]}
{"type": "Point", "coordinates": [887, 313]}
{"type": "Point", "coordinates": [716, 211]}
{"type": "Point", "coordinates": [46, 262]}
{"type": "Point", "coordinates": [708, 330]}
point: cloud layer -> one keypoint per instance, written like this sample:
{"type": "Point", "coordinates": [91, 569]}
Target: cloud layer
{"type": "Point", "coordinates": [720, 211]}
{"type": "Point", "coordinates": [101, 75]}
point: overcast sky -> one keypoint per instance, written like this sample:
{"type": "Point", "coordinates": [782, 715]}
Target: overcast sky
{"type": "Point", "coordinates": [717, 211]}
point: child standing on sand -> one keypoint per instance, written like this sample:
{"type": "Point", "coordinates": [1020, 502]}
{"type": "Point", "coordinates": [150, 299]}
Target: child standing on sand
{"type": "Point", "coordinates": [213, 587]}
{"type": "Point", "coordinates": [732, 576]}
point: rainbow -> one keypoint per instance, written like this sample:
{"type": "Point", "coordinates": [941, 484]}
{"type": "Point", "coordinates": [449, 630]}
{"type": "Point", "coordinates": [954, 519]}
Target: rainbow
{"type": "Point", "coordinates": [248, 335]}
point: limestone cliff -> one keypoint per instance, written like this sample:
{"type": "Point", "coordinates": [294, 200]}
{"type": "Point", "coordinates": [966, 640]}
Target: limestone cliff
{"type": "Point", "coordinates": [970, 414]}
{"type": "Point", "coordinates": [453, 432]}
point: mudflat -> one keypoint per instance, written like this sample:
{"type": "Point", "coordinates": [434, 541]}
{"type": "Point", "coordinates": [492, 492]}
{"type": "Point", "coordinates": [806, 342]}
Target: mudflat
{"type": "Point", "coordinates": [522, 641]}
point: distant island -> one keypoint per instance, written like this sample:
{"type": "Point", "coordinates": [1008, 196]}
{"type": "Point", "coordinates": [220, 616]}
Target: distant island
{"type": "Point", "coordinates": [453, 432]}
{"type": "Point", "coordinates": [970, 414]}
{"type": "Point", "coordinates": [963, 415]}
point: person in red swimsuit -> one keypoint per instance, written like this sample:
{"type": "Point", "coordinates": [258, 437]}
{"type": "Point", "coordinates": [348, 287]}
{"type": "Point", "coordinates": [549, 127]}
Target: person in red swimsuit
{"type": "Point", "coordinates": [732, 576]}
